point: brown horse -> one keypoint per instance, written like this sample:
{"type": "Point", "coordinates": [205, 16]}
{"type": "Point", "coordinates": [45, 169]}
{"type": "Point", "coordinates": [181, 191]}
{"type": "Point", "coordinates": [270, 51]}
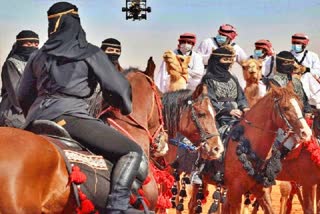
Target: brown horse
{"type": "Point", "coordinates": [190, 106]}
{"type": "Point", "coordinates": [260, 130]}
{"type": "Point", "coordinates": [34, 177]}
{"type": "Point", "coordinates": [144, 125]}
{"type": "Point", "coordinates": [38, 183]}
{"type": "Point", "coordinates": [192, 115]}
{"type": "Point", "coordinates": [283, 112]}
{"type": "Point", "coordinates": [293, 168]}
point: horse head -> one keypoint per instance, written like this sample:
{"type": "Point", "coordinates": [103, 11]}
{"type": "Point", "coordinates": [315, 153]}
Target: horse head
{"type": "Point", "coordinates": [288, 114]}
{"type": "Point", "coordinates": [252, 70]}
{"type": "Point", "coordinates": [200, 125]}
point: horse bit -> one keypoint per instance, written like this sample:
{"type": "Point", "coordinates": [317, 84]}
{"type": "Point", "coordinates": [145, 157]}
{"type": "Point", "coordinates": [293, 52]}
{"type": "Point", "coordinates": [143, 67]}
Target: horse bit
{"type": "Point", "coordinates": [204, 136]}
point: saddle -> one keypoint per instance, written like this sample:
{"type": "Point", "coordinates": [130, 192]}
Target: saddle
{"type": "Point", "coordinates": [96, 168]}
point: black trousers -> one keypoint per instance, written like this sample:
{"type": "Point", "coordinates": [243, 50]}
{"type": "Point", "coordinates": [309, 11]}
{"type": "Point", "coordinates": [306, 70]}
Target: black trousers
{"type": "Point", "coordinates": [99, 137]}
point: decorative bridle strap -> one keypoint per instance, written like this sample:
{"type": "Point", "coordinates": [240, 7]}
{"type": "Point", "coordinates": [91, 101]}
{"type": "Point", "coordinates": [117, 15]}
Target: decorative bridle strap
{"type": "Point", "coordinates": [289, 126]}
{"type": "Point", "coordinates": [204, 136]}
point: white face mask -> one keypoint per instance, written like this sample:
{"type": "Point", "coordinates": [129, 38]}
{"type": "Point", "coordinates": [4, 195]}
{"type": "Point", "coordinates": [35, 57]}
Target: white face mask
{"type": "Point", "coordinates": [185, 48]}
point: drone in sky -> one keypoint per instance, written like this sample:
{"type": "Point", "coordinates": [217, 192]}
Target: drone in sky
{"type": "Point", "coordinates": [136, 9]}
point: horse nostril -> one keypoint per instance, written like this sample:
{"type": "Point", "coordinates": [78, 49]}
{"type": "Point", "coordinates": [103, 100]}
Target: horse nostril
{"type": "Point", "coordinates": [216, 149]}
{"type": "Point", "coordinates": [303, 134]}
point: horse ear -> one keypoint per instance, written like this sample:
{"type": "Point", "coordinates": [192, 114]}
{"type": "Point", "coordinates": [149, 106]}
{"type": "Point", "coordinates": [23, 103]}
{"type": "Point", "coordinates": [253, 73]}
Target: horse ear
{"type": "Point", "coordinates": [244, 63]}
{"type": "Point", "coordinates": [274, 88]}
{"type": "Point", "coordinates": [201, 89]}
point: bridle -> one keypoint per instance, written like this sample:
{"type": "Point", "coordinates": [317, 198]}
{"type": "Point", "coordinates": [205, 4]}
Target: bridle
{"type": "Point", "coordinates": [204, 136]}
{"type": "Point", "coordinates": [289, 127]}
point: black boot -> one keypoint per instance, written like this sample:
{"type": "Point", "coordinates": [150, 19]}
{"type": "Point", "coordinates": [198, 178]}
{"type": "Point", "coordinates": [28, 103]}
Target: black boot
{"type": "Point", "coordinates": [123, 175]}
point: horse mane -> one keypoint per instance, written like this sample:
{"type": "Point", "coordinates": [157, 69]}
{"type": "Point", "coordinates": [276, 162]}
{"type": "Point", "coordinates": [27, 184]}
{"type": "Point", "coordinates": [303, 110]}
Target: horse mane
{"type": "Point", "coordinates": [173, 105]}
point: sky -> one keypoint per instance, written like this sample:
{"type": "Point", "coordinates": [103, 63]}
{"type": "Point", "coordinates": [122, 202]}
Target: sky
{"type": "Point", "coordinates": [275, 20]}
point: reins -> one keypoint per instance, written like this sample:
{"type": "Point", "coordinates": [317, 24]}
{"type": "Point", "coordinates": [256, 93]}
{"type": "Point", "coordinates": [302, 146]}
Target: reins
{"type": "Point", "coordinates": [204, 136]}
{"type": "Point", "coordinates": [156, 100]}
{"type": "Point", "coordinates": [289, 129]}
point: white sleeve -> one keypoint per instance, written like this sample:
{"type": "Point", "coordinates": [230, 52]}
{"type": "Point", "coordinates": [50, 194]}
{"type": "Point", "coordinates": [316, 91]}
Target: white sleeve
{"type": "Point", "coordinates": [312, 89]}
{"type": "Point", "coordinates": [315, 65]}
{"type": "Point", "coordinates": [197, 70]}
{"type": "Point", "coordinates": [161, 77]}
{"type": "Point", "coordinates": [204, 51]}
{"type": "Point", "coordinates": [241, 55]}
{"type": "Point", "coordinates": [262, 89]}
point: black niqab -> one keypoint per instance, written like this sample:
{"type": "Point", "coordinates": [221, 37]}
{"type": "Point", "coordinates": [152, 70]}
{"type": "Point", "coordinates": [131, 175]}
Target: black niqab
{"type": "Point", "coordinates": [113, 43]}
{"type": "Point", "coordinates": [67, 39]}
{"type": "Point", "coordinates": [288, 68]}
{"type": "Point", "coordinates": [217, 70]}
{"type": "Point", "coordinates": [20, 52]}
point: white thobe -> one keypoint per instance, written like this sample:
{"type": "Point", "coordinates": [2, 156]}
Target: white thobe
{"type": "Point", "coordinates": [310, 85]}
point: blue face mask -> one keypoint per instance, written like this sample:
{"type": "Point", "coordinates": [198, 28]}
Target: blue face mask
{"type": "Point", "coordinates": [221, 39]}
{"type": "Point", "coordinates": [258, 53]}
{"type": "Point", "coordinates": [297, 48]}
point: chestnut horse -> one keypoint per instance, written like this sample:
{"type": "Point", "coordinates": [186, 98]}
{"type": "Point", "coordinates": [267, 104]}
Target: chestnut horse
{"type": "Point", "coordinates": [190, 106]}
{"type": "Point", "coordinates": [144, 125]}
{"type": "Point", "coordinates": [260, 126]}
{"type": "Point", "coordinates": [293, 168]}
{"type": "Point", "coordinates": [192, 115]}
{"type": "Point", "coordinates": [38, 183]}
{"type": "Point", "coordinates": [283, 112]}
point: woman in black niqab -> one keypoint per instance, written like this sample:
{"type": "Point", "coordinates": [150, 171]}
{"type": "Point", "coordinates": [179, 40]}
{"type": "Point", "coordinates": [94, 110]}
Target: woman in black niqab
{"type": "Point", "coordinates": [66, 36]}
{"type": "Point", "coordinates": [218, 68]}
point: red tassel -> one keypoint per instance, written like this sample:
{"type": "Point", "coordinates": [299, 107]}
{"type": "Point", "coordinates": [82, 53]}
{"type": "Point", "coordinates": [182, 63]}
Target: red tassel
{"type": "Point", "coordinates": [162, 177]}
{"type": "Point", "coordinates": [309, 121]}
{"type": "Point", "coordinates": [314, 150]}
{"type": "Point", "coordinates": [77, 176]}
{"type": "Point", "coordinates": [86, 206]}
{"type": "Point", "coordinates": [147, 180]}
{"type": "Point", "coordinates": [133, 199]}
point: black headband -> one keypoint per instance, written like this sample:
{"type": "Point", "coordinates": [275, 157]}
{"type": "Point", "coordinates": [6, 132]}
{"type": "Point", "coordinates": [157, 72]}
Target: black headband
{"type": "Point", "coordinates": [299, 37]}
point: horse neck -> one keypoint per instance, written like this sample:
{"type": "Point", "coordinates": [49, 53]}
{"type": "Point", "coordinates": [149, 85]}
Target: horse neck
{"type": "Point", "coordinates": [252, 93]}
{"type": "Point", "coordinates": [262, 132]}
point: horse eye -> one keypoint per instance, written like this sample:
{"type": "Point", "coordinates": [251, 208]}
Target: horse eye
{"type": "Point", "coordinates": [286, 108]}
{"type": "Point", "coordinates": [201, 115]}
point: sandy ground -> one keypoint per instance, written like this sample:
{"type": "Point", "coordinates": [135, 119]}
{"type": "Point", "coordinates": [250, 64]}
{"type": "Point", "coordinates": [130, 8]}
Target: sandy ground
{"type": "Point", "coordinates": [296, 207]}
